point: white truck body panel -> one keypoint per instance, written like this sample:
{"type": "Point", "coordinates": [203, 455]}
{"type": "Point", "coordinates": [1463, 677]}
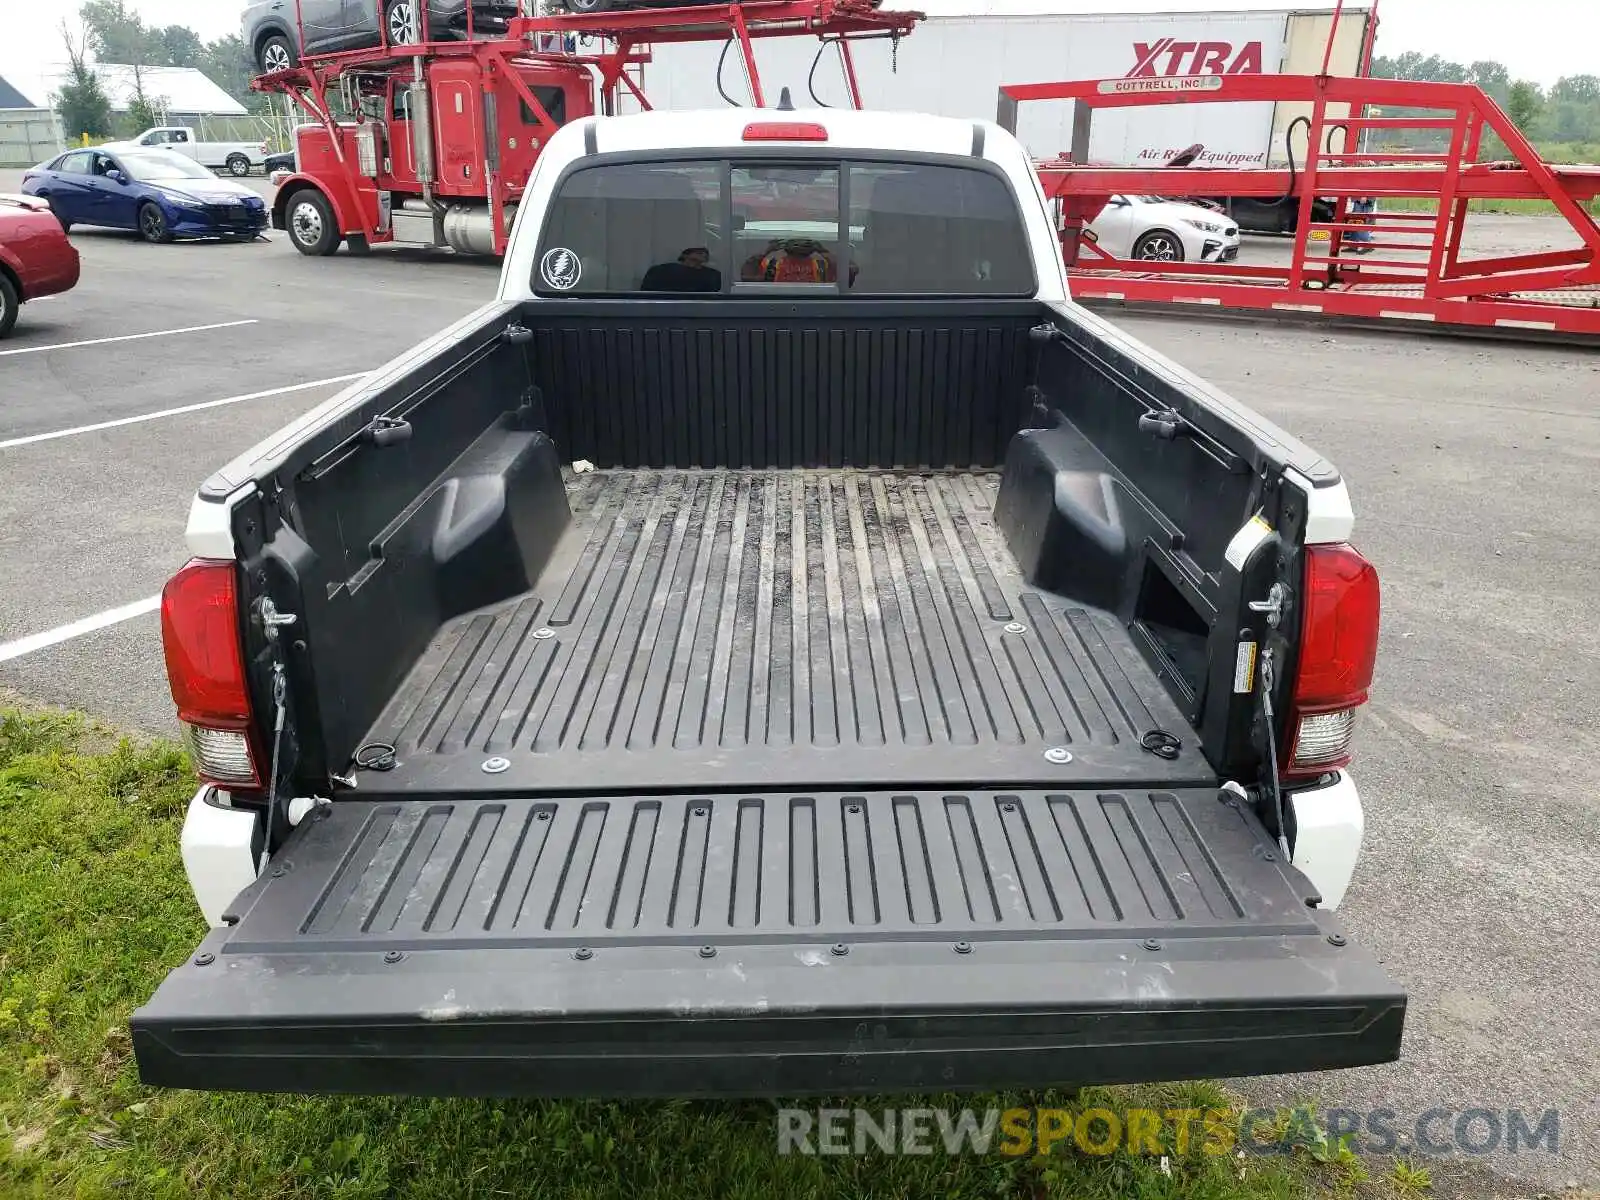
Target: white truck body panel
{"type": "Point", "coordinates": [1329, 826]}
{"type": "Point", "coordinates": [954, 66]}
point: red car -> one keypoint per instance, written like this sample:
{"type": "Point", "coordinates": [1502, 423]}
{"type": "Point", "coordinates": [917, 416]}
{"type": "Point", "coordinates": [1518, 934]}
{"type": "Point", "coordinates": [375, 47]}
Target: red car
{"type": "Point", "coordinates": [35, 257]}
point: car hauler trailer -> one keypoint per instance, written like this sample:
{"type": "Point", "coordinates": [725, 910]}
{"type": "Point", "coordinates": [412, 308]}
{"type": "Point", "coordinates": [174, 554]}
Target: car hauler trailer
{"type": "Point", "coordinates": [441, 137]}
{"type": "Point", "coordinates": [965, 51]}
{"type": "Point", "coordinates": [1421, 273]}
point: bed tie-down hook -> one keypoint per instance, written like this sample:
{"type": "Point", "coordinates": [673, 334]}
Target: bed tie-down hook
{"type": "Point", "coordinates": [272, 620]}
{"type": "Point", "coordinates": [386, 431]}
{"type": "Point", "coordinates": [1163, 423]}
{"type": "Point", "coordinates": [1273, 605]}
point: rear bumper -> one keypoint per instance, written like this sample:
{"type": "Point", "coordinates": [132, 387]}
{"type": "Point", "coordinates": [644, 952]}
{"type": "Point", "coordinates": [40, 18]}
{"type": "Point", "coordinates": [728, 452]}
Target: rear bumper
{"type": "Point", "coordinates": [1329, 824]}
{"type": "Point", "coordinates": [56, 274]}
{"type": "Point", "coordinates": [768, 945]}
{"type": "Point", "coordinates": [221, 847]}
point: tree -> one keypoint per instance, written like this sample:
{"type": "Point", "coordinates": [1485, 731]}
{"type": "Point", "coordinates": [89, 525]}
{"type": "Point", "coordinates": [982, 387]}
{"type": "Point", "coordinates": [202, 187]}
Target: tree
{"type": "Point", "coordinates": [1413, 65]}
{"type": "Point", "coordinates": [1580, 89]}
{"type": "Point", "coordinates": [81, 101]}
{"type": "Point", "coordinates": [1571, 122]}
{"type": "Point", "coordinates": [227, 62]}
{"type": "Point", "coordinates": [1524, 103]}
{"type": "Point", "coordinates": [1492, 77]}
{"type": "Point", "coordinates": [142, 112]}
{"type": "Point", "coordinates": [180, 46]}
{"type": "Point", "coordinates": [1568, 113]}
{"type": "Point", "coordinates": [119, 35]}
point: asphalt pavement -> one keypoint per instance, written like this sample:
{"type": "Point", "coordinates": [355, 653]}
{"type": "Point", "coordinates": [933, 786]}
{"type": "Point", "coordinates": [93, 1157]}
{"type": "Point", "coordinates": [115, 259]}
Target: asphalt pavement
{"type": "Point", "coordinates": [1472, 468]}
{"type": "Point", "coordinates": [93, 521]}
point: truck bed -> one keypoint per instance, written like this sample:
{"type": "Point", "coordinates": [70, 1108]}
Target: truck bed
{"type": "Point", "coordinates": [719, 629]}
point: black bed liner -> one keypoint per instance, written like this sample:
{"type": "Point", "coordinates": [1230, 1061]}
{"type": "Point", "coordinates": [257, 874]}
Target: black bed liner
{"type": "Point", "coordinates": [726, 629]}
{"type": "Point", "coordinates": [768, 944]}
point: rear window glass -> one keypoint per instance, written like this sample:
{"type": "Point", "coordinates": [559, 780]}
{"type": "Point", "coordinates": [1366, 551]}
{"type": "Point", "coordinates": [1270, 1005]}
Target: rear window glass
{"type": "Point", "coordinates": [808, 227]}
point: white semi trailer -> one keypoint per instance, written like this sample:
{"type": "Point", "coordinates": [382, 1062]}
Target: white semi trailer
{"type": "Point", "coordinates": [955, 62]}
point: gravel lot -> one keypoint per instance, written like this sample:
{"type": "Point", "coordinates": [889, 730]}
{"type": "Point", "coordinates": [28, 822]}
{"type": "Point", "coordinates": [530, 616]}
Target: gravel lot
{"type": "Point", "coordinates": [1472, 467]}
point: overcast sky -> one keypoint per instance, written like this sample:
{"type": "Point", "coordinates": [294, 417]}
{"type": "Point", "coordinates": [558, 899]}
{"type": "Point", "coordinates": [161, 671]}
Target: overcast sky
{"type": "Point", "coordinates": [1536, 39]}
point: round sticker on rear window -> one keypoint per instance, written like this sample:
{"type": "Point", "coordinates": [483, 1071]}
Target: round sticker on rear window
{"type": "Point", "coordinates": [560, 268]}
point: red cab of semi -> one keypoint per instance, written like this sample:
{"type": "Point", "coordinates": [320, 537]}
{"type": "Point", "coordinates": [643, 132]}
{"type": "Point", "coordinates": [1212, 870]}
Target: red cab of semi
{"type": "Point", "coordinates": [428, 149]}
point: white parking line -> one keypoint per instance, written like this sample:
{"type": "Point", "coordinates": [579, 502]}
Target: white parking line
{"type": "Point", "coordinates": [62, 633]}
{"type": "Point", "coordinates": [32, 438]}
{"type": "Point", "coordinates": [127, 337]}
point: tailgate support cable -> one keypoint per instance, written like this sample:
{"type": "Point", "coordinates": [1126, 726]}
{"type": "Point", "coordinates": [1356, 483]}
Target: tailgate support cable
{"type": "Point", "coordinates": [271, 621]}
{"type": "Point", "coordinates": [280, 708]}
{"type": "Point", "coordinates": [1268, 678]}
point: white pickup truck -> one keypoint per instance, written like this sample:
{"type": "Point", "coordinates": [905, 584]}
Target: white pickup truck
{"type": "Point", "coordinates": [913, 682]}
{"type": "Point", "coordinates": [237, 157]}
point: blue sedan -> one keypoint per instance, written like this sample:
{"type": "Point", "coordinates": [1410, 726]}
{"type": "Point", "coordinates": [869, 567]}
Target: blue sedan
{"type": "Point", "coordinates": [161, 194]}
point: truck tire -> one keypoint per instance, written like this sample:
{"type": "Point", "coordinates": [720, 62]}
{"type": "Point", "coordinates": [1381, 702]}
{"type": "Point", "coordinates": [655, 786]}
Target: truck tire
{"type": "Point", "coordinates": [153, 223]}
{"type": "Point", "coordinates": [238, 165]}
{"type": "Point", "coordinates": [309, 219]}
{"type": "Point", "coordinates": [1159, 246]}
{"type": "Point", "coordinates": [276, 54]}
{"type": "Point", "coordinates": [10, 302]}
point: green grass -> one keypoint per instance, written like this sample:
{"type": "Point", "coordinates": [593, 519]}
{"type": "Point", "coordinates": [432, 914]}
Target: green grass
{"type": "Point", "coordinates": [94, 909]}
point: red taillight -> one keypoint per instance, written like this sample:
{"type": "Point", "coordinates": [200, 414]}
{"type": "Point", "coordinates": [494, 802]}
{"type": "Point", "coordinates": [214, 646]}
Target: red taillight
{"type": "Point", "coordinates": [785, 131]}
{"type": "Point", "coordinates": [1338, 645]}
{"type": "Point", "coordinates": [205, 669]}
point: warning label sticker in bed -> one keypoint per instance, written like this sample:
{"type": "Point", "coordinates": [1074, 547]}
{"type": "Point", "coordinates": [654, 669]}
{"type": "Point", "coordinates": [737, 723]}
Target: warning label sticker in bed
{"type": "Point", "coordinates": [1244, 543]}
{"type": "Point", "coordinates": [1244, 668]}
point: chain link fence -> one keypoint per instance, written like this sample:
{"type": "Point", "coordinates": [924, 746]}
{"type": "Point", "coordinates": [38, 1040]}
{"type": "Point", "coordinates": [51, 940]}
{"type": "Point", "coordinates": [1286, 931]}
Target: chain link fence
{"type": "Point", "coordinates": [29, 136]}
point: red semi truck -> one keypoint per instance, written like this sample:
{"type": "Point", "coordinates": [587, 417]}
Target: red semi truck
{"type": "Point", "coordinates": [437, 139]}
{"type": "Point", "coordinates": [433, 142]}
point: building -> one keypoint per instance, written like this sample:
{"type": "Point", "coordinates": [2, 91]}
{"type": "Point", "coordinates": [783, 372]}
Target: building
{"type": "Point", "coordinates": [28, 129]}
{"type": "Point", "coordinates": [180, 95]}
{"type": "Point", "coordinates": [10, 97]}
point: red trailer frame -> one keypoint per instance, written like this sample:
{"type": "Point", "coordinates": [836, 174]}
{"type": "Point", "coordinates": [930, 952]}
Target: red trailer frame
{"type": "Point", "coordinates": [630, 33]}
{"type": "Point", "coordinates": [1422, 277]}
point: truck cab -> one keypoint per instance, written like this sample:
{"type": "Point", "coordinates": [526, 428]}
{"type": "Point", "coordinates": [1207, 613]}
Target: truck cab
{"type": "Point", "coordinates": [175, 137]}
{"type": "Point", "coordinates": [686, 678]}
{"type": "Point", "coordinates": [426, 147]}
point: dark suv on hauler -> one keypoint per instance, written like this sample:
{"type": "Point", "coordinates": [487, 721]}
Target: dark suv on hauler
{"type": "Point", "coordinates": [271, 31]}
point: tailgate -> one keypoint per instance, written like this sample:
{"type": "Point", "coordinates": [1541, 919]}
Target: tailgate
{"type": "Point", "coordinates": [779, 944]}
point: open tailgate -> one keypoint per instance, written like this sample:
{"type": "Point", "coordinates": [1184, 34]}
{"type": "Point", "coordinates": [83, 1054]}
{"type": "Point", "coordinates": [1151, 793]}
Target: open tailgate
{"type": "Point", "coordinates": [778, 944]}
